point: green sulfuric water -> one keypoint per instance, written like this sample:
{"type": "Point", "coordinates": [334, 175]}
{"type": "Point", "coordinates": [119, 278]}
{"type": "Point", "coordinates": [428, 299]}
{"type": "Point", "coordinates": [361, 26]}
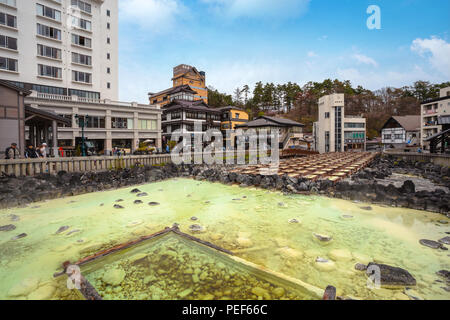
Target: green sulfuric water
{"type": "Point", "coordinates": [171, 267]}
{"type": "Point", "coordinates": [252, 223]}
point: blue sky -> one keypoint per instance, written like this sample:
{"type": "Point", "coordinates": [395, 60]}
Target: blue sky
{"type": "Point", "coordinates": [239, 42]}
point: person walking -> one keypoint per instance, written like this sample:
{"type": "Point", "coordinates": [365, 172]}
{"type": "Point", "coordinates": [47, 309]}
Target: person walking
{"type": "Point", "coordinates": [30, 152]}
{"type": "Point", "coordinates": [42, 150]}
{"type": "Point", "coordinates": [12, 152]}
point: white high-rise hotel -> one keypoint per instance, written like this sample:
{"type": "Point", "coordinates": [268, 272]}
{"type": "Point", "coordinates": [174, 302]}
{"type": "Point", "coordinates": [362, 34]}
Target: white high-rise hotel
{"type": "Point", "coordinates": [66, 53]}
{"type": "Point", "coordinates": [64, 47]}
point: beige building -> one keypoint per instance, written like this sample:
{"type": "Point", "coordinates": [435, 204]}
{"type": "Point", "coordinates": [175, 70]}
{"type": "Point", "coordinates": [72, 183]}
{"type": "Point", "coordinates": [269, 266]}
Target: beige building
{"type": "Point", "coordinates": [430, 112]}
{"type": "Point", "coordinates": [335, 132]}
{"type": "Point", "coordinates": [109, 123]}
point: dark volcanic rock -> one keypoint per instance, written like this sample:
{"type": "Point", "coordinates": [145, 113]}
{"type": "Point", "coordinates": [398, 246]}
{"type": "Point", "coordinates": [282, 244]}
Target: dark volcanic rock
{"type": "Point", "coordinates": [118, 206]}
{"type": "Point", "coordinates": [408, 187]}
{"type": "Point", "coordinates": [138, 202]}
{"type": "Point", "coordinates": [135, 191]}
{"type": "Point", "coordinates": [445, 240]}
{"type": "Point", "coordinates": [20, 236]}
{"type": "Point", "coordinates": [360, 267]}
{"type": "Point", "coordinates": [153, 204]}
{"type": "Point", "coordinates": [142, 194]}
{"type": "Point", "coordinates": [8, 227]}
{"type": "Point", "coordinates": [431, 244]}
{"type": "Point", "coordinates": [390, 276]}
{"type": "Point", "coordinates": [62, 229]}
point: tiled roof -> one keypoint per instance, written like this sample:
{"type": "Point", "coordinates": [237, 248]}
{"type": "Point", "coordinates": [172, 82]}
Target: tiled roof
{"type": "Point", "coordinates": [266, 121]}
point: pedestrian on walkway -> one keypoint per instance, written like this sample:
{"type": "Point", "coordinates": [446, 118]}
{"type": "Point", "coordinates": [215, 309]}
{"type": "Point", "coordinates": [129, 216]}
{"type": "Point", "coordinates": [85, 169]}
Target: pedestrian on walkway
{"type": "Point", "coordinates": [12, 152]}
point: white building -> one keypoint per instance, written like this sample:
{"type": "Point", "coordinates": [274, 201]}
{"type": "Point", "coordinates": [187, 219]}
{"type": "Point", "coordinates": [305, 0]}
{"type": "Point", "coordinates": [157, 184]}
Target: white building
{"type": "Point", "coordinates": [334, 132]}
{"type": "Point", "coordinates": [431, 110]}
{"type": "Point", "coordinates": [401, 131]}
{"type": "Point", "coordinates": [63, 47]}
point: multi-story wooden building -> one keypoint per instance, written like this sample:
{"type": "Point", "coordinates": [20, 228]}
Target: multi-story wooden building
{"type": "Point", "coordinates": [183, 75]}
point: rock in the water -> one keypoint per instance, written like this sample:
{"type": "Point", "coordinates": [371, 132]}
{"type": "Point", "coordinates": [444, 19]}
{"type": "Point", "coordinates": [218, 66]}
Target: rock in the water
{"type": "Point", "coordinates": [153, 204]}
{"type": "Point", "coordinates": [119, 200]}
{"type": "Point", "coordinates": [360, 267]}
{"type": "Point", "coordinates": [20, 236]}
{"type": "Point", "coordinates": [138, 202]}
{"type": "Point", "coordinates": [260, 292]}
{"type": "Point", "coordinates": [413, 295]}
{"type": "Point", "coordinates": [135, 191]}
{"type": "Point", "coordinates": [62, 229]}
{"type": "Point", "coordinates": [323, 238]}
{"type": "Point", "coordinates": [324, 264]}
{"type": "Point", "coordinates": [445, 240]}
{"type": "Point", "coordinates": [431, 244]}
{"type": "Point", "coordinates": [368, 208]}
{"type": "Point", "coordinates": [73, 232]}
{"type": "Point", "coordinates": [294, 221]}
{"type": "Point", "coordinates": [444, 274]}
{"type": "Point", "coordinates": [8, 227]}
{"type": "Point", "coordinates": [390, 276]}
{"type": "Point", "coordinates": [24, 288]}
{"type": "Point", "coordinates": [118, 206]}
{"type": "Point", "coordinates": [114, 277]}
{"type": "Point", "coordinates": [196, 228]}
{"type": "Point", "coordinates": [330, 293]}
{"type": "Point", "coordinates": [194, 218]}
{"type": "Point", "coordinates": [142, 194]}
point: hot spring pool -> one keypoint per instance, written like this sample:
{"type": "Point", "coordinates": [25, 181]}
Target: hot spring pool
{"type": "Point", "coordinates": [254, 224]}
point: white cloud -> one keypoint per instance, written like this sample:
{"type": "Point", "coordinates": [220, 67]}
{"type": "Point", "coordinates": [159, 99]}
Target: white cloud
{"type": "Point", "coordinates": [364, 59]}
{"type": "Point", "coordinates": [438, 52]}
{"type": "Point", "coordinates": [259, 8]}
{"type": "Point", "coordinates": [312, 54]}
{"type": "Point", "coordinates": [157, 16]}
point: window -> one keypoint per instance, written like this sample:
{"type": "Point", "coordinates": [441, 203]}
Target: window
{"type": "Point", "coordinates": [175, 115]}
{"type": "Point", "coordinates": [327, 115]}
{"type": "Point", "coordinates": [48, 12]}
{"type": "Point", "coordinates": [83, 6]}
{"type": "Point", "coordinates": [79, 76]}
{"type": "Point", "coordinates": [387, 137]}
{"type": "Point", "coordinates": [108, 25]}
{"type": "Point", "coordinates": [48, 32]}
{"type": "Point", "coordinates": [47, 89]}
{"type": "Point", "coordinates": [8, 20]}
{"type": "Point", "coordinates": [81, 41]}
{"type": "Point", "coordinates": [147, 124]}
{"type": "Point", "coordinates": [108, 85]}
{"type": "Point", "coordinates": [94, 122]}
{"type": "Point", "coordinates": [108, 56]}
{"type": "Point", "coordinates": [8, 42]}
{"type": "Point", "coordinates": [108, 40]}
{"type": "Point", "coordinates": [8, 64]}
{"type": "Point", "coordinates": [49, 71]}
{"type": "Point", "coordinates": [108, 70]}
{"type": "Point", "coordinates": [398, 137]}
{"type": "Point", "coordinates": [237, 115]}
{"type": "Point", "coordinates": [81, 59]}
{"type": "Point", "coordinates": [121, 123]}
{"type": "Point", "coordinates": [108, 13]}
{"type": "Point", "coordinates": [354, 125]}
{"type": "Point", "coordinates": [49, 52]}
{"type": "Point", "coordinates": [11, 3]}
{"type": "Point", "coordinates": [84, 94]}
{"type": "Point", "coordinates": [81, 23]}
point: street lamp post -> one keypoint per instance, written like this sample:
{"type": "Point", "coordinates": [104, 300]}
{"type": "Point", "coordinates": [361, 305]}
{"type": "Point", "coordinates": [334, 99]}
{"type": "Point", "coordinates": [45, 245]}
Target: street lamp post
{"type": "Point", "coordinates": [82, 122]}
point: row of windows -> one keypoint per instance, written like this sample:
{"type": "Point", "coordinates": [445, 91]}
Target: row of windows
{"type": "Point", "coordinates": [82, 23]}
{"type": "Point", "coordinates": [49, 52]}
{"type": "Point", "coordinates": [122, 123]}
{"type": "Point", "coordinates": [354, 125]}
{"type": "Point", "coordinates": [49, 71]}
{"type": "Point", "coordinates": [81, 41]}
{"type": "Point", "coordinates": [48, 12]}
{"type": "Point", "coordinates": [83, 6]}
{"type": "Point", "coordinates": [393, 136]}
{"type": "Point", "coordinates": [8, 20]}
{"type": "Point", "coordinates": [8, 42]}
{"type": "Point", "coordinates": [9, 64]}
{"type": "Point", "coordinates": [48, 89]}
{"type": "Point", "coordinates": [48, 32]}
{"type": "Point", "coordinates": [11, 3]}
{"type": "Point", "coordinates": [59, 91]}
{"type": "Point", "coordinates": [81, 59]}
{"type": "Point", "coordinates": [81, 76]}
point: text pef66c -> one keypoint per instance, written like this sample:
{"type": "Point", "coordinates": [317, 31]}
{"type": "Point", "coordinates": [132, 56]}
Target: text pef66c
{"type": "Point", "coordinates": [246, 309]}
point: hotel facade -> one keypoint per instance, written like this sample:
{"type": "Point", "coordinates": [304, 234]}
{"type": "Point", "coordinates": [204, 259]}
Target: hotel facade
{"type": "Point", "coordinates": [65, 52]}
{"type": "Point", "coordinates": [431, 112]}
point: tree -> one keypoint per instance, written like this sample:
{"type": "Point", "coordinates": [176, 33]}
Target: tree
{"type": "Point", "coordinates": [237, 97]}
{"type": "Point", "coordinates": [217, 99]}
